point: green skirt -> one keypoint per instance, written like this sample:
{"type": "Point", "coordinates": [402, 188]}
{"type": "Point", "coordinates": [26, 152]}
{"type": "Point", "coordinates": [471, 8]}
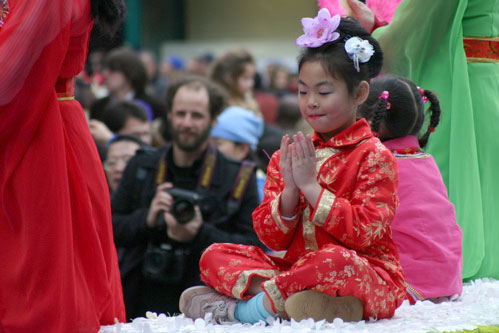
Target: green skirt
{"type": "Point", "coordinates": [424, 42]}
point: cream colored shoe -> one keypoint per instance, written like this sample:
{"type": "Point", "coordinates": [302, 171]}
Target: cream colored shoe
{"type": "Point", "coordinates": [316, 305]}
{"type": "Point", "coordinates": [196, 302]}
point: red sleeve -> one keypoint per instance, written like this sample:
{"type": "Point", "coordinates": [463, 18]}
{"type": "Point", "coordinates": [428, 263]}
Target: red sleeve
{"type": "Point", "coordinates": [363, 219]}
{"type": "Point", "coordinates": [275, 232]}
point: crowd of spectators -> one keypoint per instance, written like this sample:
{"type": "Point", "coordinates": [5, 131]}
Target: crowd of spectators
{"type": "Point", "coordinates": [144, 111]}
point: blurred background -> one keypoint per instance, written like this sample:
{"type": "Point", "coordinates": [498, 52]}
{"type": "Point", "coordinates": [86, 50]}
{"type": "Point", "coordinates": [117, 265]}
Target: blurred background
{"type": "Point", "coordinates": [194, 28]}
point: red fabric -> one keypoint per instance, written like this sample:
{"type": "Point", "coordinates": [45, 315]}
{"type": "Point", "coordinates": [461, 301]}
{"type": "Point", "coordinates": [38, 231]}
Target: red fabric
{"type": "Point", "coordinates": [485, 49]}
{"type": "Point", "coordinates": [333, 270]}
{"type": "Point", "coordinates": [56, 245]}
{"type": "Point", "coordinates": [350, 235]}
{"type": "Point", "coordinates": [269, 106]}
{"type": "Point", "coordinates": [65, 87]}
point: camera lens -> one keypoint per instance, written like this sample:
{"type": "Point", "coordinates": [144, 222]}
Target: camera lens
{"type": "Point", "coordinates": [157, 260]}
{"type": "Point", "coordinates": [155, 263]}
{"type": "Point", "coordinates": [183, 211]}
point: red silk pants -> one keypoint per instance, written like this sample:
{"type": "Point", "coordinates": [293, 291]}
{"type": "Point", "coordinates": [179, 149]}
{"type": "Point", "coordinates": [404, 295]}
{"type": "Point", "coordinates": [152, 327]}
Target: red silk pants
{"type": "Point", "coordinates": [333, 270]}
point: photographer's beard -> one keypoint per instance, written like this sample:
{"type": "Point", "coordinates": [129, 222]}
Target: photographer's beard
{"type": "Point", "coordinates": [188, 140]}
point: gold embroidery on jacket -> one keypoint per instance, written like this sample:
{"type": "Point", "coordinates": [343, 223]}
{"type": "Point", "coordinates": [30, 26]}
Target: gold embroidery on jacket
{"type": "Point", "coordinates": [275, 295]}
{"type": "Point", "coordinates": [323, 154]}
{"type": "Point", "coordinates": [323, 208]}
{"type": "Point", "coordinates": [243, 279]}
{"type": "Point", "coordinates": [277, 216]}
{"type": "Point", "coordinates": [309, 231]}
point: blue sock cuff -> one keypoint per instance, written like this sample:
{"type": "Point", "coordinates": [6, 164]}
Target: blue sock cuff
{"type": "Point", "coordinates": [252, 310]}
{"type": "Point", "coordinates": [260, 307]}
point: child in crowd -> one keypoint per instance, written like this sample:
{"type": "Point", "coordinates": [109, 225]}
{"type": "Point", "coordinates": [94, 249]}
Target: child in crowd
{"type": "Point", "coordinates": [329, 201]}
{"type": "Point", "coordinates": [119, 151]}
{"type": "Point", "coordinates": [424, 228]}
{"type": "Point", "coordinates": [235, 71]}
{"type": "Point", "coordinates": [236, 134]}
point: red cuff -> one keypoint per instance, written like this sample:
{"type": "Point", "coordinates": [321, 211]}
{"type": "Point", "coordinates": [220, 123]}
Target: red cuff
{"type": "Point", "coordinates": [287, 222]}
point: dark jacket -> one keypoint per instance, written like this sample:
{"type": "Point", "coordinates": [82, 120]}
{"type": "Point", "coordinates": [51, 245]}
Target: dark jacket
{"type": "Point", "coordinates": [130, 205]}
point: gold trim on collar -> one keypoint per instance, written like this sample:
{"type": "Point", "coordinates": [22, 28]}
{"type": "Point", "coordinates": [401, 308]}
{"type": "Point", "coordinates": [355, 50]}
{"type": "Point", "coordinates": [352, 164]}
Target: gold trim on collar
{"type": "Point", "coordinates": [403, 157]}
{"type": "Point", "coordinates": [323, 154]}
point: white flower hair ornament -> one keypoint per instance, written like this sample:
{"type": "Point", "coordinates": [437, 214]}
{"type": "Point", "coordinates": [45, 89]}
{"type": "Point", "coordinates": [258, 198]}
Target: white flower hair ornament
{"type": "Point", "coordinates": [319, 30]}
{"type": "Point", "coordinates": [359, 50]}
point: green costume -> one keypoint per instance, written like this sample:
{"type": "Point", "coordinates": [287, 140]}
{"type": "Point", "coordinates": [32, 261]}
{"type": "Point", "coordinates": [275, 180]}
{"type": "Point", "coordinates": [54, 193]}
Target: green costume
{"type": "Point", "coordinates": [424, 42]}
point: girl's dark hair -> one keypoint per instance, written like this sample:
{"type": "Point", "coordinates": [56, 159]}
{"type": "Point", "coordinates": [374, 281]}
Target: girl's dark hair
{"type": "Point", "coordinates": [108, 14]}
{"type": "Point", "coordinates": [128, 62]}
{"type": "Point", "coordinates": [406, 113]}
{"type": "Point", "coordinates": [335, 60]}
{"type": "Point", "coordinates": [230, 66]}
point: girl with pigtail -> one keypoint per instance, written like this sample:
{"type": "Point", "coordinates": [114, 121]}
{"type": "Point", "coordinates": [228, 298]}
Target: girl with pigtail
{"type": "Point", "coordinates": [329, 199]}
{"type": "Point", "coordinates": [424, 228]}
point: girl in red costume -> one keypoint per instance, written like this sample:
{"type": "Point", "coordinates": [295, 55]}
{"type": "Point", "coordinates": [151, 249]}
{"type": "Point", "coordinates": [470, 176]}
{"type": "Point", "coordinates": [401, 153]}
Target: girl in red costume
{"type": "Point", "coordinates": [329, 201]}
{"type": "Point", "coordinates": [59, 265]}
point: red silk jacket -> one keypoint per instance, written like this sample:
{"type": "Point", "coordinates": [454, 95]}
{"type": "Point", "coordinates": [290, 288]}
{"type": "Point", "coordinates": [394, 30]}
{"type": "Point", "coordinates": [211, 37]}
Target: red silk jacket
{"type": "Point", "coordinates": [359, 178]}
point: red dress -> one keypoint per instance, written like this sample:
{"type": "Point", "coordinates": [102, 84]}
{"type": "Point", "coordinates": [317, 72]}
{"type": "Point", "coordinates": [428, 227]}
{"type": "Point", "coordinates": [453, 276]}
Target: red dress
{"type": "Point", "coordinates": [59, 265]}
{"type": "Point", "coordinates": [341, 247]}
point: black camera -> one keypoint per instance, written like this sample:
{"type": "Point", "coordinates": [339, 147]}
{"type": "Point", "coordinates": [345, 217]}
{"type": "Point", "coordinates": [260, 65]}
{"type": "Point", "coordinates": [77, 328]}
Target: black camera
{"type": "Point", "coordinates": [164, 263]}
{"type": "Point", "coordinates": [183, 204]}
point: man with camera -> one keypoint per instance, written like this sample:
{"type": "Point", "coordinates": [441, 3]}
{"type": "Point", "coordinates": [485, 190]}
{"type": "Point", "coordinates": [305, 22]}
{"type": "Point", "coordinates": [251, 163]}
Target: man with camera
{"type": "Point", "coordinates": [174, 202]}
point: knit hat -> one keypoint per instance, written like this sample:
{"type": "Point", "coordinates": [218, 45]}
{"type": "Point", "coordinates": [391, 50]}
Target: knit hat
{"type": "Point", "coordinates": [238, 125]}
{"type": "Point", "coordinates": [176, 62]}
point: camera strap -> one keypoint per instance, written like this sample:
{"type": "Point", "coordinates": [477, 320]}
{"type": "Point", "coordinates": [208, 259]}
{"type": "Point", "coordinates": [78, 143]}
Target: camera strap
{"type": "Point", "coordinates": [207, 172]}
{"type": "Point", "coordinates": [207, 169]}
{"type": "Point", "coordinates": [242, 181]}
{"type": "Point", "coordinates": [239, 188]}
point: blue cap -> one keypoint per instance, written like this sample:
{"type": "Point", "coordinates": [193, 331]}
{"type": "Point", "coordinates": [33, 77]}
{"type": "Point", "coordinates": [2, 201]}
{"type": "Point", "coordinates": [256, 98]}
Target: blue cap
{"type": "Point", "coordinates": [238, 125]}
{"type": "Point", "coordinates": [176, 62]}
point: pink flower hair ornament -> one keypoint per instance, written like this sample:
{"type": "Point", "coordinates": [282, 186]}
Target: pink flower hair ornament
{"type": "Point", "coordinates": [319, 30]}
{"type": "Point", "coordinates": [385, 95]}
{"type": "Point", "coordinates": [424, 99]}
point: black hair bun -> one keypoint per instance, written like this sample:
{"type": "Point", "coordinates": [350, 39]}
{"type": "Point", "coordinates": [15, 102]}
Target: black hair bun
{"type": "Point", "coordinates": [350, 27]}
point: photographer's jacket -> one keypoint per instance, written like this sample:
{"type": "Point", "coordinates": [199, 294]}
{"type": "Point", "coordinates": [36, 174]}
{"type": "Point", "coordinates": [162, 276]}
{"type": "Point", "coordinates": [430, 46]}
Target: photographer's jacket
{"type": "Point", "coordinates": [130, 206]}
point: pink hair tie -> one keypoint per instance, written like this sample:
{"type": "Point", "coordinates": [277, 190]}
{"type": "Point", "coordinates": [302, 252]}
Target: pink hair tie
{"type": "Point", "coordinates": [384, 95]}
{"type": "Point", "coordinates": [424, 99]}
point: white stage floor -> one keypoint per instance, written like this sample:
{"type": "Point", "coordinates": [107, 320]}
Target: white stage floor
{"type": "Point", "coordinates": [478, 305]}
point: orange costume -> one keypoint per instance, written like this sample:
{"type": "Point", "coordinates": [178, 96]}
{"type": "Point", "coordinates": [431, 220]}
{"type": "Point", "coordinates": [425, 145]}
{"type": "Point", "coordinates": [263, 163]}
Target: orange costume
{"type": "Point", "coordinates": [341, 247]}
{"type": "Point", "coordinates": [59, 264]}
